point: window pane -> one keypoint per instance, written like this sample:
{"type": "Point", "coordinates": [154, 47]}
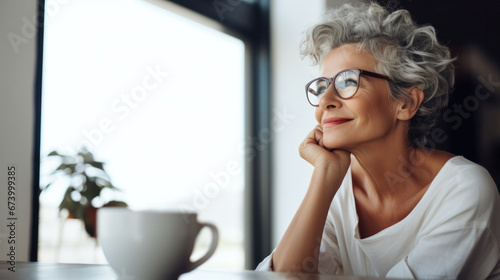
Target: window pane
{"type": "Point", "coordinates": [159, 99]}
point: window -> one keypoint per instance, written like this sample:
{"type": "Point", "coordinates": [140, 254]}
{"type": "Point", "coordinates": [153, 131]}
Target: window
{"type": "Point", "coordinates": [159, 98]}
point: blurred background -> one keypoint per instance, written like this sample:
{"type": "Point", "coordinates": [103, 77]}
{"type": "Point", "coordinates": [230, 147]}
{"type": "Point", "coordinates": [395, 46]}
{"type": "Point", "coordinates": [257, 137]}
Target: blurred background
{"type": "Point", "coordinates": [195, 105]}
{"type": "Point", "coordinates": [471, 123]}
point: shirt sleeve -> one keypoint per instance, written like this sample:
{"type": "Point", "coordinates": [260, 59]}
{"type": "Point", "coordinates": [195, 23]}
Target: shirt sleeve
{"type": "Point", "coordinates": [329, 259]}
{"type": "Point", "coordinates": [329, 254]}
{"type": "Point", "coordinates": [266, 264]}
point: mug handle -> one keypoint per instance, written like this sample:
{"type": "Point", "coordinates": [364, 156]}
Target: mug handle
{"type": "Point", "coordinates": [211, 250]}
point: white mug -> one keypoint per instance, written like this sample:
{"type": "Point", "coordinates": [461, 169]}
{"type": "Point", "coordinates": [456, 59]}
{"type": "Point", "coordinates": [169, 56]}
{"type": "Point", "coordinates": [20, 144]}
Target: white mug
{"type": "Point", "coordinates": [150, 244]}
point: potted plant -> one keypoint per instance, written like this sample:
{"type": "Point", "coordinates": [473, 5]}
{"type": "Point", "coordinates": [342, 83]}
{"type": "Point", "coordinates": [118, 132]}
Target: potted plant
{"type": "Point", "coordinates": [85, 179]}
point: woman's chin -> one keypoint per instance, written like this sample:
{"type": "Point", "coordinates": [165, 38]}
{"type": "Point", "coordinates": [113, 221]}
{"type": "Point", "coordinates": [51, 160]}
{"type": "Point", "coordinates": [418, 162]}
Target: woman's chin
{"type": "Point", "coordinates": [334, 145]}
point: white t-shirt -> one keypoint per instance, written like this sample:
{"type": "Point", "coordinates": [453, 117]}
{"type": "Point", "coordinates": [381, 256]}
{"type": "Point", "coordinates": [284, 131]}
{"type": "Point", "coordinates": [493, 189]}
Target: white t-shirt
{"type": "Point", "coordinates": [453, 232]}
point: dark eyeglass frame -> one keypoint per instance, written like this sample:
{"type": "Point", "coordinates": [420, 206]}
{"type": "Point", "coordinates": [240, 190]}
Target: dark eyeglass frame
{"type": "Point", "coordinates": [330, 81]}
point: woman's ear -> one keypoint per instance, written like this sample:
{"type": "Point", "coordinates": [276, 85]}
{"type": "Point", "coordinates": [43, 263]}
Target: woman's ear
{"type": "Point", "coordinates": [408, 109]}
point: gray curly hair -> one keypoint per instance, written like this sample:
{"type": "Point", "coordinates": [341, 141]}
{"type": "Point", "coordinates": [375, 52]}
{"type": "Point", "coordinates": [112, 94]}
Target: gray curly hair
{"type": "Point", "coordinates": [409, 54]}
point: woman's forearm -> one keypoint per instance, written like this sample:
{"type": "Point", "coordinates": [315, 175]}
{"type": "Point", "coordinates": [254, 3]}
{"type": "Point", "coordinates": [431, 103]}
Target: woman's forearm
{"type": "Point", "coordinates": [302, 239]}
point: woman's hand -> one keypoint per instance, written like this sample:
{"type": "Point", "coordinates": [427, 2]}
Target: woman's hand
{"type": "Point", "coordinates": [303, 236]}
{"type": "Point", "coordinates": [314, 151]}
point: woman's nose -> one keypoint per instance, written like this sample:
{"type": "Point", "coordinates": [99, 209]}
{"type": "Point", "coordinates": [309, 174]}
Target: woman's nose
{"type": "Point", "coordinates": [330, 99]}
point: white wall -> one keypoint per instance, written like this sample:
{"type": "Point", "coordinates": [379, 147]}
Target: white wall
{"type": "Point", "coordinates": [17, 76]}
{"type": "Point", "coordinates": [289, 74]}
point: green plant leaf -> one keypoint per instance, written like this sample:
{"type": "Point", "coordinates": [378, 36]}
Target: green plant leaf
{"type": "Point", "coordinates": [68, 168]}
{"type": "Point", "coordinates": [97, 164]}
{"type": "Point", "coordinates": [90, 190]}
{"type": "Point", "coordinates": [46, 186]}
{"type": "Point", "coordinates": [104, 183]}
{"type": "Point", "coordinates": [68, 203]}
{"type": "Point", "coordinates": [54, 153]}
{"type": "Point", "coordinates": [115, 203]}
{"type": "Point", "coordinates": [86, 155]}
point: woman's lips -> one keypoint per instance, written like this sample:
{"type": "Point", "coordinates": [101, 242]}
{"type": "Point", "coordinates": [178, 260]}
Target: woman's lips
{"type": "Point", "coordinates": [334, 121]}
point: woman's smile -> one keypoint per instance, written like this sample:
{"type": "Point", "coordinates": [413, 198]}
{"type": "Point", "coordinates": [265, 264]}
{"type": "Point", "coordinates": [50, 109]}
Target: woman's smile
{"type": "Point", "coordinates": [383, 81]}
{"type": "Point", "coordinates": [330, 122]}
{"type": "Point", "coordinates": [369, 115]}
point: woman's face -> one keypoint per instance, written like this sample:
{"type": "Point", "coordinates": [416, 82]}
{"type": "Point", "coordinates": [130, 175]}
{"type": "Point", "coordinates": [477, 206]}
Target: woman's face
{"type": "Point", "coordinates": [367, 117]}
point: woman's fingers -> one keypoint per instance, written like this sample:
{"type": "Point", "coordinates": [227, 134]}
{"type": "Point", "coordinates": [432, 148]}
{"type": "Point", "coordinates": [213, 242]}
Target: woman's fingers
{"type": "Point", "coordinates": [314, 151]}
{"type": "Point", "coordinates": [312, 148]}
{"type": "Point", "coordinates": [318, 135]}
{"type": "Point", "coordinates": [315, 136]}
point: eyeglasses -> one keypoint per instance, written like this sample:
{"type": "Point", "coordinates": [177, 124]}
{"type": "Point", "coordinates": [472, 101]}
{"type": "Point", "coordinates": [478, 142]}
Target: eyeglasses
{"type": "Point", "coordinates": [345, 85]}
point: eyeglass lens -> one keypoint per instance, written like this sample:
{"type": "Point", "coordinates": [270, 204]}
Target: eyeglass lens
{"type": "Point", "coordinates": [345, 83]}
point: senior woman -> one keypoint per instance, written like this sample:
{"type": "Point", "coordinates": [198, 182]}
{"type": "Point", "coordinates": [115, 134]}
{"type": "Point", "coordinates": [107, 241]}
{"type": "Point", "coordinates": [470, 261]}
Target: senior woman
{"type": "Point", "coordinates": [379, 203]}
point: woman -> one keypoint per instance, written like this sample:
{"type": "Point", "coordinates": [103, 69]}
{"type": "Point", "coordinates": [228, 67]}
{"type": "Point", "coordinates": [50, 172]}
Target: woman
{"type": "Point", "coordinates": [379, 203]}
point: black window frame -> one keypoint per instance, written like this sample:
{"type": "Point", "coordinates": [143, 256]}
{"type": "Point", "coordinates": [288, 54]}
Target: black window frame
{"type": "Point", "coordinates": [249, 19]}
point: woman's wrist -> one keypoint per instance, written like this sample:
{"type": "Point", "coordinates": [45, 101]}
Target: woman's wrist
{"type": "Point", "coordinates": [327, 177]}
